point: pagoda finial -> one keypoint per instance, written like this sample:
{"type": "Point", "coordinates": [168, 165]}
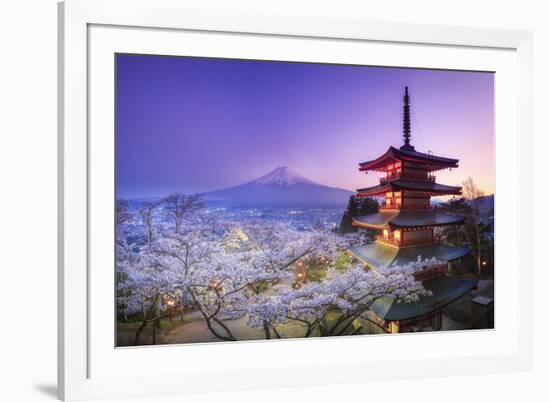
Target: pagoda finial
{"type": "Point", "coordinates": [407, 122]}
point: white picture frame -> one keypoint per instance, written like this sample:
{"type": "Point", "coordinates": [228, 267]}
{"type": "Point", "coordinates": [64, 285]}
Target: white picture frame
{"type": "Point", "coordinates": [84, 26]}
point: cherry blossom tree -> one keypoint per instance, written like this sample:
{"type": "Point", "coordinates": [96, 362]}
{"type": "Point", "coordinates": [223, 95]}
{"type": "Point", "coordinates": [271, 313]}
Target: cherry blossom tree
{"type": "Point", "coordinates": [179, 206]}
{"type": "Point", "coordinates": [222, 268]}
{"type": "Point", "coordinates": [351, 291]}
{"type": "Point", "coordinates": [247, 269]}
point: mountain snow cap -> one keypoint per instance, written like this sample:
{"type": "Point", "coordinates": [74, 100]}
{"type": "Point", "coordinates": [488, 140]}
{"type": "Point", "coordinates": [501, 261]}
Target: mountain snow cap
{"type": "Point", "coordinates": [282, 176]}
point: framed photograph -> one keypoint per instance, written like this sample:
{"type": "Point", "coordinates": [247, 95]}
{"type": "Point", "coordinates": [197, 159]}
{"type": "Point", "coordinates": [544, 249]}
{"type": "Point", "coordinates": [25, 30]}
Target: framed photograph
{"type": "Point", "coordinates": [252, 201]}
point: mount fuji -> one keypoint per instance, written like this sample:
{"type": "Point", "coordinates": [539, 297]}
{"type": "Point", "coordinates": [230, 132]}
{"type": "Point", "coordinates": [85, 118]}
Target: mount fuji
{"type": "Point", "coordinates": [280, 188]}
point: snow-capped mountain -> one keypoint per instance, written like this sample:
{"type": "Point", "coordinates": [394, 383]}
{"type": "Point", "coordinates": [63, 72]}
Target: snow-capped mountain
{"type": "Point", "coordinates": [282, 176]}
{"type": "Point", "coordinates": [279, 188]}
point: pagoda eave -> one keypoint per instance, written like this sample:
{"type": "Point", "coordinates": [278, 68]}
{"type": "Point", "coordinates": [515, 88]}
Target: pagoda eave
{"type": "Point", "coordinates": [379, 255]}
{"type": "Point", "coordinates": [444, 290]}
{"type": "Point", "coordinates": [407, 219]}
{"type": "Point", "coordinates": [366, 225]}
{"type": "Point", "coordinates": [393, 154]}
{"type": "Point", "coordinates": [430, 188]}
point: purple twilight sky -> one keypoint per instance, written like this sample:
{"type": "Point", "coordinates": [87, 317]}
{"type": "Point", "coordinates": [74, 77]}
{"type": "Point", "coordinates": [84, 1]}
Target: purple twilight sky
{"type": "Point", "coordinates": [197, 124]}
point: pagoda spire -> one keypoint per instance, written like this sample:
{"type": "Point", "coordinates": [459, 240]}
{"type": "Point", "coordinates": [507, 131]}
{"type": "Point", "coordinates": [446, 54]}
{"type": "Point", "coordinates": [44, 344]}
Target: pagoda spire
{"type": "Point", "coordinates": [407, 122]}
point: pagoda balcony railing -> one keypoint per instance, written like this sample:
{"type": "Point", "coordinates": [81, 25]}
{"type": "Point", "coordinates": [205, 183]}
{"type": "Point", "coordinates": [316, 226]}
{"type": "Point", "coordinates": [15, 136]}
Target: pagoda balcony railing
{"type": "Point", "coordinates": [409, 242]}
{"type": "Point", "coordinates": [405, 207]}
{"type": "Point", "coordinates": [407, 176]}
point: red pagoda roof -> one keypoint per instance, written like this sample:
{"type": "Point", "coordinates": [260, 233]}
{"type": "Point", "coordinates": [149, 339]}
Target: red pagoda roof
{"type": "Point", "coordinates": [409, 154]}
{"type": "Point", "coordinates": [411, 185]}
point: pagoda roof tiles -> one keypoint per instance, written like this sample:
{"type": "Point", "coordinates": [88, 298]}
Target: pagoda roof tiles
{"type": "Point", "coordinates": [403, 154]}
{"type": "Point", "coordinates": [444, 290]}
{"type": "Point", "coordinates": [412, 185]}
{"type": "Point", "coordinates": [407, 219]}
{"type": "Point", "coordinates": [380, 255]}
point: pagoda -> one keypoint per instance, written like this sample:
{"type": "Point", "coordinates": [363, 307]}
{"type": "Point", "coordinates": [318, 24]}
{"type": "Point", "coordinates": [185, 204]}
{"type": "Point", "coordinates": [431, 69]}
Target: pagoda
{"type": "Point", "coordinates": [407, 225]}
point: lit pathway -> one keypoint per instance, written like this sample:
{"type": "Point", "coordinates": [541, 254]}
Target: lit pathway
{"type": "Point", "coordinates": [195, 329]}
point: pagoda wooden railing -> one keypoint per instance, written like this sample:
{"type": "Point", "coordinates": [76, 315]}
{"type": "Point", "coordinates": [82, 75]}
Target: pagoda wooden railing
{"type": "Point", "coordinates": [407, 176]}
{"type": "Point", "coordinates": [409, 242]}
{"type": "Point", "coordinates": [406, 207]}
{"type": "Point", "coordinates": [429, 273]}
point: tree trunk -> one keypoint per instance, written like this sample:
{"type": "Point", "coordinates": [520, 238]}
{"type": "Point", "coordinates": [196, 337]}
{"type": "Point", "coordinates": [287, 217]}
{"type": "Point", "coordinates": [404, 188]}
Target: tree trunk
{"type": "Point", "coordinates": [138, 332]}
{"type": "Point", "coordinates": [156, 312]}
{"type": "Point", "coordinates": [267, 331]}
{"type": "Point", "coordinates": [323, 328]}
{"type": "Point", "coordinates": [277, 334]}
